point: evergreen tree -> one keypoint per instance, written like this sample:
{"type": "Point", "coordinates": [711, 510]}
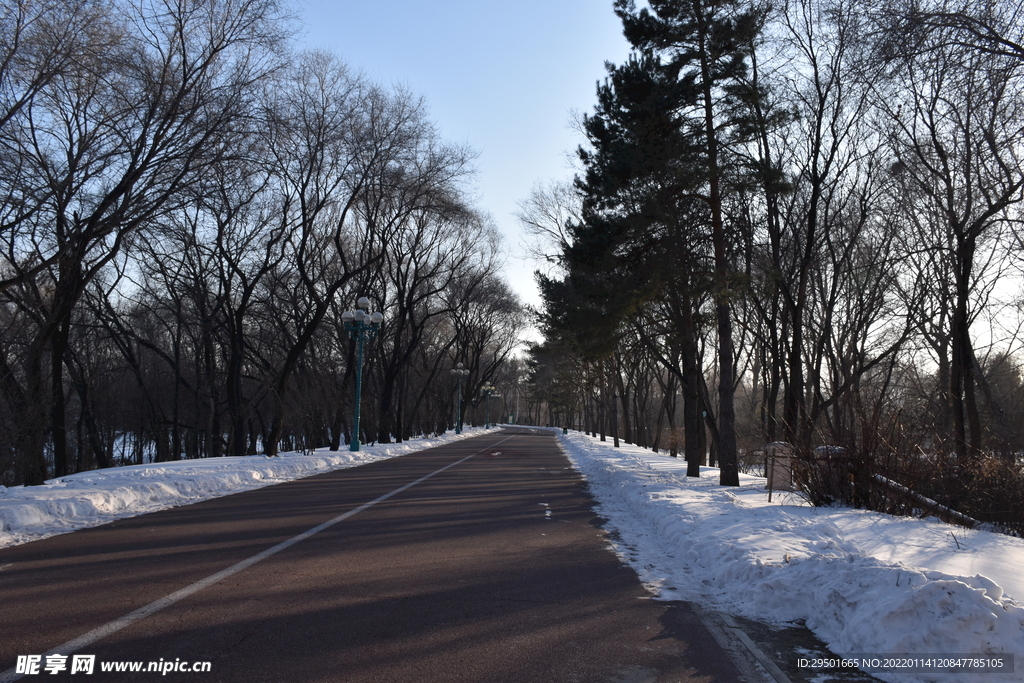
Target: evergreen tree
{"type": "Point", "coordinates": [709, 43]}
{"type": "Point", "coordinates": [656, 172]}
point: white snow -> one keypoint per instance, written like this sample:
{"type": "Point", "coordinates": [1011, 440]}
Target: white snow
{"type": "Point", "coordinates": [96, 497]}
{"type": "Point", "coordinates": [864, 582]}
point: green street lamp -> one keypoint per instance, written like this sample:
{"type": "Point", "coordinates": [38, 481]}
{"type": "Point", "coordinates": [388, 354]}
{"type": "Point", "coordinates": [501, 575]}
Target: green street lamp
{"type": "Point", "coordinates": [360, 326]}
{"type": "Point", "coordinates": [460, 374]}
{"type": "Point", "coordinates": [488, 390]}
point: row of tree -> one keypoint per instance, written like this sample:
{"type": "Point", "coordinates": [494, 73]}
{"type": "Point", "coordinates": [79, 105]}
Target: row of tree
{"type": "Point", "coordinates": [186, 208]}
{"type": "Point", "coordinates": [804, 219]}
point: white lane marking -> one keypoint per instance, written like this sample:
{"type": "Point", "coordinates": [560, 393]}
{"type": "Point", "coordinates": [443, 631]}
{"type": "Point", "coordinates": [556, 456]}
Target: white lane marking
{"type": "Point", "coordinates": [85, 640]}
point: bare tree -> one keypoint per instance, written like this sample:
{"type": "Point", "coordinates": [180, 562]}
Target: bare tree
{"type": "Point", "coordinates": [44, 40]}
{"type": "Point", "coordinates": [546, 214]}
{"type": "Point", "coordinates": [353, 164]}
{"type": "Point", "coordinates": [957, 116]}
{"type": "Point", "coordinates": [443, 247]}
{"type": "Point", "coordinates": [115, 141]}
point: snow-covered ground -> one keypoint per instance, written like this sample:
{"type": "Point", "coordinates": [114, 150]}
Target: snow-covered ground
{"type": "Point", "coordinates": [864, 582]}
{"type": "Point", "coordinates": [92, 498]}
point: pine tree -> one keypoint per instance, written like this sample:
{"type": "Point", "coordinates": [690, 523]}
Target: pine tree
{"type": "Point", "coordinates": [656, 171]}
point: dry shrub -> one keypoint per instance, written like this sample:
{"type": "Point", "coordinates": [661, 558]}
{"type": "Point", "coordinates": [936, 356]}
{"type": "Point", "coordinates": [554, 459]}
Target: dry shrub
{"type": "Point", "coordinates": [910, 482]}
{"type": "Point", "coordinates": [992, 490]}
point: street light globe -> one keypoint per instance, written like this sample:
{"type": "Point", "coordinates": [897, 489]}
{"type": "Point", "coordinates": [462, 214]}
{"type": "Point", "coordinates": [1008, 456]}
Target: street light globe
{"type": "Point", "coordinates": [363, 302]}
{"type": "Point", "coordinates": [347, 317]}
{"type": "Point", "coordinates": [360, 316]}
{"type": "Point", "coordinates": [377, 318]}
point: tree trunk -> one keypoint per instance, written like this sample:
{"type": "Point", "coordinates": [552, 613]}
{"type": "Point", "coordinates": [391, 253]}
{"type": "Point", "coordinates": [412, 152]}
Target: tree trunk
{"type": "Point", "coordinates": [726, 446]}
{"type": "Point", "coordinates": [58, 413]}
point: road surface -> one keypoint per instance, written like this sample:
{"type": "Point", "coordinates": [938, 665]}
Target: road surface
{"type": "Point", "coordinates": [477, 561]}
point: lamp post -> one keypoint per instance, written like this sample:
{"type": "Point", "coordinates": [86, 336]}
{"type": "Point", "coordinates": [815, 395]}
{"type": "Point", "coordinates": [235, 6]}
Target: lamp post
{"type": "Point", "coordinates": [460, 373]}
{"type": "Point", "coordinates": [360, 325]}
{"type": "Point", "coordinates": [487, 390]}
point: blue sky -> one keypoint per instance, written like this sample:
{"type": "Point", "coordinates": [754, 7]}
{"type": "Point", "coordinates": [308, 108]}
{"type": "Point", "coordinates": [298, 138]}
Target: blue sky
{"type": "Point", "coordinates": [502, 77]}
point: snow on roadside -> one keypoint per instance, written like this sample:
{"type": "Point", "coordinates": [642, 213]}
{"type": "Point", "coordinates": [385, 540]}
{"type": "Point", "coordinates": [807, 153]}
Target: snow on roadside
{"type": "Point", "coordinates": [864, 582]}
{"type": "Point", "coordinates": [96, 497]}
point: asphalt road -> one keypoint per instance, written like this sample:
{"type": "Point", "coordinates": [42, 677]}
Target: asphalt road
{"type": "Point", "coordinates": [493, 569]}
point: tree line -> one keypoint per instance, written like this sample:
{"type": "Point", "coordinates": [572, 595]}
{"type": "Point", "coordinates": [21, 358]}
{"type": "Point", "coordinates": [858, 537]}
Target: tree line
{"type": "Point", "coordinates": [188, 204]}
{"type": "Point", "coordinates": [800, 221]}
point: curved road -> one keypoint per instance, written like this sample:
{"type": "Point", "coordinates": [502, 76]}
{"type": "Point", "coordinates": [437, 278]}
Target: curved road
{"type": "Point", "coordinates": [477, 561]}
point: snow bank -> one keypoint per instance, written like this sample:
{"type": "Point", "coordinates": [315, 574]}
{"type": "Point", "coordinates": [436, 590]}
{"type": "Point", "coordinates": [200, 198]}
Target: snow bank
{"type": "Point", "coordinates": [864, 582]}
{"type": "Point", "coordinates": [92, 498]}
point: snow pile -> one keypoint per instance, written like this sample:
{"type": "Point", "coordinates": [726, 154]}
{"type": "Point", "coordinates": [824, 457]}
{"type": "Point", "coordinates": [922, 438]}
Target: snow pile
{"type": "Point", "coordinates": [864, 582]}
{"type": "Point", "coordinates": [92, 498]}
